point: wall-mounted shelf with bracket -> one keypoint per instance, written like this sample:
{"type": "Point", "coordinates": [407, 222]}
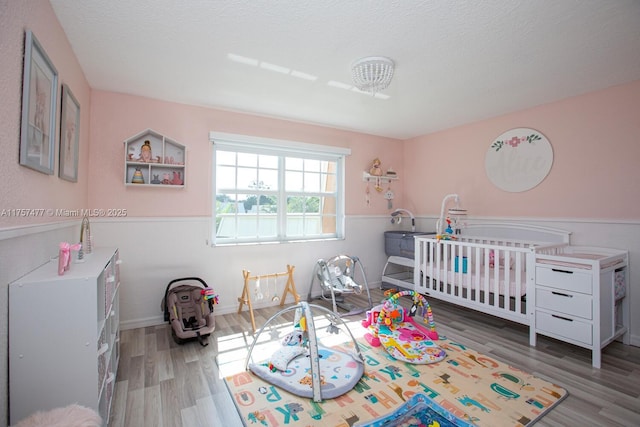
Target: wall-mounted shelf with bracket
{"type": "Point", "coordinates": [379, 182]}
{"type": "Point", "coordinates": [382, 178]}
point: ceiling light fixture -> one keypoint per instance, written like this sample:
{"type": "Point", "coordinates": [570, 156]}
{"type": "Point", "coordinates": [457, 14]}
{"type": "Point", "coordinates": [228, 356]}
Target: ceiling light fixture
{"type": "Point", "coordinates": [372, 74]}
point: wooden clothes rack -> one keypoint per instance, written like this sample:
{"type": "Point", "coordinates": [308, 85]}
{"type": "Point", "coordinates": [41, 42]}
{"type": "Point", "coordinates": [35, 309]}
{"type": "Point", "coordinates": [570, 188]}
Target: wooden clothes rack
{"type": "Point", "coordinates": [246, 295]}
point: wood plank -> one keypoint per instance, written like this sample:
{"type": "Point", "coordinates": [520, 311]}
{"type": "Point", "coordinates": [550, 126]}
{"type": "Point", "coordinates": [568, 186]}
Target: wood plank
{"type": "Point", "coordinates": [186, 380]}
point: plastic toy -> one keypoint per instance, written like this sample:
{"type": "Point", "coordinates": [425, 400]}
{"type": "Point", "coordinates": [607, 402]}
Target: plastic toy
{"type": "Point", "coordinates": [394, 328]}
{"type": "Point", "coordinates": [448, 229]}
{"type": "Point", "coordinates": [209, 294]}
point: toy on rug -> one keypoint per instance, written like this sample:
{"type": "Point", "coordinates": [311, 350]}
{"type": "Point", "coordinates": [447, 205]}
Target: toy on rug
{"type": "Point", "coordinates": [419, 410]}
{"type": "Point", "coordinates": [303, 367]}
{"type": "Point", "coordinates": [394, 328]}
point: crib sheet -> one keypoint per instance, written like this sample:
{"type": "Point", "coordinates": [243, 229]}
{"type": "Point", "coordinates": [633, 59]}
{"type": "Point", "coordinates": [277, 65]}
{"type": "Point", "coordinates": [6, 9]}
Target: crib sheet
{"type": "Point", "coordinates": [477, 279]}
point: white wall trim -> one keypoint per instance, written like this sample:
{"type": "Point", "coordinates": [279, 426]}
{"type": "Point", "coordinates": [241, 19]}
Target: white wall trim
{"type": "Point", "coordinates": [26, 230]}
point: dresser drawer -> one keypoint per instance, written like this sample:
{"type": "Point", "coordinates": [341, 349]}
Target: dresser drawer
{"type": "Point", "coordinates": [572, 329]}
{"type": "Point", "coordinates": [562, 301]}
{"type": "Point", "coordinates": [563, 278]}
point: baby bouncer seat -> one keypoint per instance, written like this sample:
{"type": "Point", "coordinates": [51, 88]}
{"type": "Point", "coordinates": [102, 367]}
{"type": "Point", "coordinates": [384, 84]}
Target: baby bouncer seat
{"type": "Point", "coordinates": [337, 278]}
{"type": "Point", "coordinates": [188, 306]}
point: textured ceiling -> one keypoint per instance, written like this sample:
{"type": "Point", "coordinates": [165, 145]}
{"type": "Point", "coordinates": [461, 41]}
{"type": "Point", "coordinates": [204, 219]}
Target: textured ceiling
{"type": "Point", "coordinates": [456, 61]}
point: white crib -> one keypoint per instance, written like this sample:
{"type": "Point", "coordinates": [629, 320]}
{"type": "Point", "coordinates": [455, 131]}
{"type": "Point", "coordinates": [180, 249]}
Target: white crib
{"type": "Point", "coordinates": [488, 274]}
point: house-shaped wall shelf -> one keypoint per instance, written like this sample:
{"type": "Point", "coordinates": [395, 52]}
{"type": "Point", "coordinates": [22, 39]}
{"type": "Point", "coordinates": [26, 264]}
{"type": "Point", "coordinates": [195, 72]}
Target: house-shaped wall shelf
{"type": "Point", "coordinates": [153, 160]}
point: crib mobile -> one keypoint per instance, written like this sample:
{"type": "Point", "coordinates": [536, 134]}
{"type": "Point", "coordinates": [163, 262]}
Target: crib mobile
{"type": "Point", "coordinates": [403, 338]}
{"type": "Point", "coordinates": [454, 218]}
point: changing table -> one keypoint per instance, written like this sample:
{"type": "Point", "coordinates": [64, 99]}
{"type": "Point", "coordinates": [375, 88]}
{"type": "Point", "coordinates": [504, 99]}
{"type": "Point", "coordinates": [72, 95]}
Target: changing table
{"type": "Point", "coordinates": [581, 297]}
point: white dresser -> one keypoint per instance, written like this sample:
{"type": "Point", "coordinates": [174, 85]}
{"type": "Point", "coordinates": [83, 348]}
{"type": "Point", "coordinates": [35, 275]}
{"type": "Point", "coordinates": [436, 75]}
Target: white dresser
{"type": "Point", "coordinates": [64, 336]}
{"type": "Point", "coordinates": [581, 297]}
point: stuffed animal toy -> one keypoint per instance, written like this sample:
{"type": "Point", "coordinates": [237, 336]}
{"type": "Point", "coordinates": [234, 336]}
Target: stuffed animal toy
{"type": "Point", "coordinates": [177, 180]}
{"type": "Point", "coordinates": [376, 168]}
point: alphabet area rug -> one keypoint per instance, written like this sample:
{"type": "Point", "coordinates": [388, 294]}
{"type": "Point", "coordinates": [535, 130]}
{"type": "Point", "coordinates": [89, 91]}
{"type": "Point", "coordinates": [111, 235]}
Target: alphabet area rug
{"type": "Point", "coordinates": [469, 386]}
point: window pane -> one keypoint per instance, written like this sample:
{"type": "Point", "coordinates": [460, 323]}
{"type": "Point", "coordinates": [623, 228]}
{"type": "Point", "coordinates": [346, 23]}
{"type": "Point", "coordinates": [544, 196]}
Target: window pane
{"type": "Point", "coordinates": [301, 204]}
{"type": "Point", "coordinates": [329, 205]}
{"type": "Point", "coordinates": [294, 163]}
{"type": "Point", "coordinates": [247, 159]}
{"type": "Point", "coordinates": [328, 224]}
{"type": "Point", "coordinates": [312, 182]}
{"type": "Point", "coordinates": [268, 161]}
{"type": "Point", "coordinates": [247, 178]}
{"type": "Point", "coordinates": [312, 165]}
{"type": "Point", "coordinates": [262, 196]}
{"type": "Point", "coordinates": [293, 181]}
{"type": "Point", "coordinates": [328, 183]}
{"type": "Point", "coordinates": [226, 158]}
{"type": "Point", "coordinates": [268, 178]}
{"type": "Point", "coordinates": [225, 177]}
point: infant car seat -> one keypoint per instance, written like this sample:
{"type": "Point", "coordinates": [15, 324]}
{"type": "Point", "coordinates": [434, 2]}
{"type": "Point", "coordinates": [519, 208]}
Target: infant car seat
{"type": "Point", "coordinates": [188, 307]}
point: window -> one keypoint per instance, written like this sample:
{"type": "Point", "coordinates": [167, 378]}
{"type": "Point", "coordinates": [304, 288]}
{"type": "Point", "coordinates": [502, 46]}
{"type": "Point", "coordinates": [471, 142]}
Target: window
{"type": "Point", "coordinates": [269, 190]}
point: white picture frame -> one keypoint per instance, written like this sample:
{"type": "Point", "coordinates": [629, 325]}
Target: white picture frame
{"type": "Point", "coordinates": [39, 105]}
{"type": "Point", "coordinates": [69, 136]}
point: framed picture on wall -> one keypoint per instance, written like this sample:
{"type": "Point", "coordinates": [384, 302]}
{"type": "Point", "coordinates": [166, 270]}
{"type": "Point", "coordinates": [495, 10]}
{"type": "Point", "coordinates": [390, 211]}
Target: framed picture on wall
{"type": "Point", "coordinates": [69, 136]}
{"type": "Point", "coordinates": [39, 101]}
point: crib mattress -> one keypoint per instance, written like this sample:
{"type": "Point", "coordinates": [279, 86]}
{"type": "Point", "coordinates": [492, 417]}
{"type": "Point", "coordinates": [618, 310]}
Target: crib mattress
{"type": "Point", "coordinates": [484, 279]}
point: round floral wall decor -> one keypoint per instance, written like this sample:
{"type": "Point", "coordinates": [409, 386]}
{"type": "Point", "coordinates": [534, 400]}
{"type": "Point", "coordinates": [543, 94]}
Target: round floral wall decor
{"type": "Point", "coordinates": [518, 160]}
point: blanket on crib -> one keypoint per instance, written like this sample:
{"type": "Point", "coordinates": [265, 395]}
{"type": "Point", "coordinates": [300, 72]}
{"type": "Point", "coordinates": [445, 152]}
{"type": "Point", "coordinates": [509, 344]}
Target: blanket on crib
{"type": "Point", "coordinates": [471, 386]}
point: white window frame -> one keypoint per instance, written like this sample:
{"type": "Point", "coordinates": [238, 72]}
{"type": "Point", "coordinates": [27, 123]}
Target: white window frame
{"type": "Point", "coordinates": [268, 146]}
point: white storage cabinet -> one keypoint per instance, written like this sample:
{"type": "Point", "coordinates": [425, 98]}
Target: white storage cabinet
{"type": "Point", "coordinates": [64, 336]}
{"type": "Point", "coordinates": [581, 297]}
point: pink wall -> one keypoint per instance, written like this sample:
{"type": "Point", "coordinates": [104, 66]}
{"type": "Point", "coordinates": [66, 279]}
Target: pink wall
{"type": "Point", "coordinates": [22, 187]}
{"type": "Point", "coordinates": [116, 117]}
{"type": "Point", "coordinates": [595, 172]}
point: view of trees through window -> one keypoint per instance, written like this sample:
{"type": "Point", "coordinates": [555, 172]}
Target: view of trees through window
{"type": "Point", "coordinates": [271, 197]}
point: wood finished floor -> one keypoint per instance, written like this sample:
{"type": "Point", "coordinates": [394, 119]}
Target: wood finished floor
{"type": "Point", "coordinates": [160, 383]}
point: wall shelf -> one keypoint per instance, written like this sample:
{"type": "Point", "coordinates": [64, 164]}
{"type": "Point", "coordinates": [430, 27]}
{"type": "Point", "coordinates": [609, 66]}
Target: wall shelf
{"type": "Point", "coordinates": [162, 165]}
{"type": "Point", "coordinates": [383, 178]}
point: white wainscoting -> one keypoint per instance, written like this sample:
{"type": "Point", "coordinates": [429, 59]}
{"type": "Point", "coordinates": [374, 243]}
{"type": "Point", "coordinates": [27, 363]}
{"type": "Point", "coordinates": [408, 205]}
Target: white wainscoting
{"type": "Point", "coordinates": [157, 250]}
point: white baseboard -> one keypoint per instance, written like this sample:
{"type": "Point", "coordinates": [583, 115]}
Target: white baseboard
{"type": "Point", "coordinates": [142, 323]}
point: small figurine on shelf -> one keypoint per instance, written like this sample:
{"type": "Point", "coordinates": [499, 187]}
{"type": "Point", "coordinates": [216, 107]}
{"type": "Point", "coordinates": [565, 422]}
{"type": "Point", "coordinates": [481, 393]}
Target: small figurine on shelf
{"type": "Point", "coordinates": [156, 179]}
{"type": "Point", "coordinates": [137, 178]}
{"type": "Point", "coordinates": [166, 178]}
{"type": "Point", "coordinates": [376, 168]}
{"type": "Point", "coordinates": [145, 152]}
{"type": "Point", "coordinates": [177, 180]}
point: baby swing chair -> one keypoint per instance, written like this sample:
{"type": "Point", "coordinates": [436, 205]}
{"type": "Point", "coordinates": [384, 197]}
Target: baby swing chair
{"type": "Point", "coordinates": [336, 277]}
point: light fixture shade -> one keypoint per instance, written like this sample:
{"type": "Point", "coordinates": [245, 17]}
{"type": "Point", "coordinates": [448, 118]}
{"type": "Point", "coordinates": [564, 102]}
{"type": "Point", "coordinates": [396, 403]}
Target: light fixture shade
{"type": "Point", "coordinates": [372, 74]}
